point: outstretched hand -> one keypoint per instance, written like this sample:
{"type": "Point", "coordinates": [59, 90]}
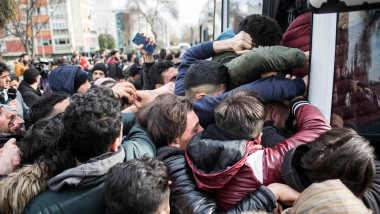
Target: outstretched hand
{"type": "Point", "coordinates": [147, 96]}
{"type": "Point", "coordinates": [124, 89]}
{"type": "Point", "coordinates": [10, 157]}
{"type": "Point", "coordinates": [241, 43]}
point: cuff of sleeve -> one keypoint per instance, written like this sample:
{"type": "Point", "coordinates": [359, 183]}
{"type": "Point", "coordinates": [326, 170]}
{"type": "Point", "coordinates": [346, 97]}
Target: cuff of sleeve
{"type": "Point", "coordinates": [300, 86]}
{"type": "Point", "coordinates": [270, 197]}
{"type": "Point", "coordinates": [208, 48]}
{"type": "Point", "coordinates": [298, 103]}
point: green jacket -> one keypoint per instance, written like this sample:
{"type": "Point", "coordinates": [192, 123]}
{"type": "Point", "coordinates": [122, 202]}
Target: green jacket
{"type": "Point", "coordinates": [249, 66]}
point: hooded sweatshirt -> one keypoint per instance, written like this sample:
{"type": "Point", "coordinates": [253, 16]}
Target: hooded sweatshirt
{"type": "Point", "coordinates": [62, 78]}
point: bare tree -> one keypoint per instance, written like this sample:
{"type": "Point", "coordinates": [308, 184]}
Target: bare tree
{"type": "Point", "coordinates": [22, 23]}
{"type": "Point", "coordinates": [154, 11]}
{"type": "Point", "coordinates": [7, 9]}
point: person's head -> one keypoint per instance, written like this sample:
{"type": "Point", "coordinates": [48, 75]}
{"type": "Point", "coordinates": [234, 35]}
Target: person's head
{"type": "Point", "coordinates": [162, 73]}
{"type": "Point", "coordinates": [10, 122]}
{"type": "Point", "coordinates": [92, 124]}
{"type": "Point", "coordinates": [48, 105]}
{"type": "Point", "coordinates": [4, 76]}
{"type": "Point", "coordinates": [103, 53]}
{"type": "Point", "coordinates": [138, 61]}
{"type": "Point", "coordinates": [76, 55]}
{"type": "Point", "coordinates": [162, 53]}
{"type": "Point", "coordinates": [58, 61]}
{"type": "Point", "coordinates": [341, 153]}
{"type": "Point", "coordinates": [31, 76]}
{"type": "Point", "coordinates": [241, 114]}
{"type": "Point", "coordinates": [40, 136]}
{"type": "Point", "coordinates": [144, 187]}
{"type": "Point", "coordinates": [99, 71]}
{"type": "Point", "coordinates": [277, 112]}
{"type": "Point", "coordinates": [115, 55]}
{"type": "Point", "coordinates": [130, 57]}
{"type": "Point", "coordinates": [205, 78]}
{"type": "Point", "coordinates": [263, 30]}
{"type": "Point", "coordinates": [69, 79]}
{"type": "Point", "coordinates": [170, 120]}
{"type": "Point", "coordinates": [24, 58]}
{"type": "Point", "coordinates": [15, 81]}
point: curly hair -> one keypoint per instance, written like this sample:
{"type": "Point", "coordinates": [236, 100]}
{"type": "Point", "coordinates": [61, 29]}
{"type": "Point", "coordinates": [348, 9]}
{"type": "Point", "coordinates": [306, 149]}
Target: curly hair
{"type": "Point", "coordinates": [3, 67]}
{"type": "Point", "coordinates": [157, 69]}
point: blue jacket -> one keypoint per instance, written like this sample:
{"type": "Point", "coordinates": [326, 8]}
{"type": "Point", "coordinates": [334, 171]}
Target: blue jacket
{"type": "Point", "coordinates": [62, 78]}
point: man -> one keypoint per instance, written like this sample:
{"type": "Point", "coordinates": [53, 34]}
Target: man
{"type": "Point", "coordinates": [92, 134]}
{"type": "Point", "coordinates": [99, 71]}
{"type": "Point", "coordinates": [144, 187]}
{"type": "Point", "coordinates": [75, 59]}
{"type": "Point", "coordinates": [11, 125]}
{"type": "Point", "coordinates": [21, 66]}
{"type": "Point", "coordinates": [17, 103]}
{"type": "Point", "coordinates": [29, 86]}
{"type": "Point", "coordinates": [69, 79]}
{"type": "Point", "coordinates": [113, 64]}
{"type": "Point", "coordinates": [162, 72]}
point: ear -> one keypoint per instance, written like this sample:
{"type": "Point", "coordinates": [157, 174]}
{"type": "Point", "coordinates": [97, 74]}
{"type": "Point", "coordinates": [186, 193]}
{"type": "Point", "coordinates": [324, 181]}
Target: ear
{"type": "Point", "coordinates": [200, 95]}
{"type": "Point", "coordinates": [259, 137]}
{"type": "Point", "coordinates": [274, 114]}
{"type": "Point", "coordinates": [175, 143]}
{"type": "Point", "coordinates": [158, 85]}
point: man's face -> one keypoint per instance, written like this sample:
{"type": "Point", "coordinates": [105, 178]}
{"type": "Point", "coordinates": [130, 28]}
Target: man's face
{"type": "Point", "coordinates": [14, 84]}
{"type": "Point", "coordinates": [97, 74]}
{"type": "Point", "coordinates": [117, 56]}
{"type": "Point", "coordinates": [25, 59]}
{"type": "Point", "coordinates": [84, 87]}
{"type": "Point", "coordinates": [169, 75]}
{"type": "Point", "coordinates": [10, 123]}
{"type": "Point", "coordinates": [4, 80]}
{"type": "Point", "coordinates": [192, 128]}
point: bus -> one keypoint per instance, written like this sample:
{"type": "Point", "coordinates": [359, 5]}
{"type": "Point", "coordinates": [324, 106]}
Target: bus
{"type": "Point", "coordinates": [344, 72]}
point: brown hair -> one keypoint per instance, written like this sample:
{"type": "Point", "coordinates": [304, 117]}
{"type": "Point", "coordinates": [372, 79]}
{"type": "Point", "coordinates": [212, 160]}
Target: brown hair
{"type": "Point", "coordinates": [241, 114]}
{"type": "Point", "coordinates": [341, 153]}
{"type": "Point", "coordinates": [165, 118]}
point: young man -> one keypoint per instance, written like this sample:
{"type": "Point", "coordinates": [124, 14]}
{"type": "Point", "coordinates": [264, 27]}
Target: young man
{"type": "Point", "coordinates": [144, 187]}
{"type": "Point", "coordinates": [99, 71]}
{"type": "Point", "coordinates": [69, 79]}
{"type": "Point", "coordinates": [162, 72]}
{"type": "Point", "coordinates": [11, 125]}
{"type": "Point", "coordinates": [113, 64]}
{"type": "Point", "coordinates": [29, 86]}
{"type": "Point", "coordinates": [21, 66]}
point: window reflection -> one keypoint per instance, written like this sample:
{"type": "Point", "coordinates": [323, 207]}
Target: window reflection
{"type": "Point", "coordinates": [239, 9]}
{"type": "Point", "coordinates": [356, 102]}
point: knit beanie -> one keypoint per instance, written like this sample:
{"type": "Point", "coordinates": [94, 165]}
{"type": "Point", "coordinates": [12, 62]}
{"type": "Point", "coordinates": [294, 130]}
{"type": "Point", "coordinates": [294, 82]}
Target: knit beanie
{"type": "Point", "coordinates": [80, 78]}
{"type": "Point", "coordinates": [101, 67]}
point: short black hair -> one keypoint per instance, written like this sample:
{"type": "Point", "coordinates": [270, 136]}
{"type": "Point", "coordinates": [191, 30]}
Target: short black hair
{"type": "Point", "coordinates": [143, 188]}
{"type": "Point", "coordinates": [114, 52]}
{"type": "Point", "coordinates": [13, 77]}
{"type": "Point", "coordinates": [92, 123]}
{"type": "Point", "coordinates": [157, 69]}
{"type": "Point", "coordinates": [22, 55]}
{"type": "Point", "coordinates": [136, 60]}
{"type": "Point", "coordinates": [30, 75]}
{"type": "Point", "coordinates": [3, 67]}
{"type": "Point", "coordinates": [205, 72]}
{"type": "Point", "coordinates": [301, 6]}
{"type": "Point", "coordinates": [263, 30]}
{"type": "Point", "coordinates": [162, 53]}
{"type": "Point", "coordinates": [44, 106]}
{"type": "Point", "coordinates": [58, 61]}
{"type": "Point", "coordinates": [129, 56]}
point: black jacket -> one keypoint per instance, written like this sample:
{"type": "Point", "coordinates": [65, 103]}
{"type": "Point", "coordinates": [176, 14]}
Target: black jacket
{"type": "Point", "coordinates": [294, 176]}
{"type": "Point", "coordinates": [114, 71]}
{"type": "Point", "coordinates": [29, 94]}
{"type": "Point", "coordinates": [147, 81]}
{"type": "Point", "coordinates": [185, 197]}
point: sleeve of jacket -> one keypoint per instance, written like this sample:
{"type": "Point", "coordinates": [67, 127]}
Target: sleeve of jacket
{"type": "Point", "coordinates": [136, 142]}
{"type": "Point", "coordinates": [198, 52]}
{"type": "Point", "coordinates": [185, 197]}
{"type": "Point", "coordinates": [311, 124]}
{"type": "Point", "coordinates": [248, 67]}
{"type": "Point", "coordinates": [270, 89]}
{"type": "Point", "coordinates": [18, 70]}
{"type": "Point", "coordinates": [147, 81]}
{"type": "Point", "coordinates": [29, 98]}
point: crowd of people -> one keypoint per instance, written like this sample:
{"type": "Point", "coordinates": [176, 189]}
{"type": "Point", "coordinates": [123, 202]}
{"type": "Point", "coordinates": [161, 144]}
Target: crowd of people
{"type": "Point", "coordinates": [228, 131]}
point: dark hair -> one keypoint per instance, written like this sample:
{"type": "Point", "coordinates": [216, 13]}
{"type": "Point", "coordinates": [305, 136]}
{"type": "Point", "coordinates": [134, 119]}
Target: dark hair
{"type": "Point", "coordinates": [165, 118]}
{"type": "Point", "coordinates": [136, 60]}
{"type": "Point", "coordinates": [263, 30]}
{"type": "Point", "coordinates": [3, 67]}
{"type": "Point", "coordinates": [113, 52]}
{"type": "Point", "coordinates": [162, 53]}
{"type": "Point", "coordinates": [13, 77]}
{"type": "Point", "coordinates": [44, 106]}
{"type": "Point", "coordinates": [22, 55]}
{"type": "Point", "coordinates": [92, 123]}
{"type": "Point", "coordinates": [170, 57]}
{"type": "Point", "coordinates": [269, 106]}
{"type": "Point", "coordinates": [241, 114]}
{"type": "Point", "coordinates": [58, 61]}
{"type": "Point", "coordinates": [39, 137]}
{"type": "Point", "coordinates": [301, 6]}
{"type": "Point", "coordinates": [143, 188]}
{"type": "Point", "coordinates": [129, 56]}
{"type": "Point", "coordinates": [75, 54]}
{"type": "Point", "coordinates": [204, 72]}
{"type": "Point", "coordinates": [341, 153]}
{"type": "Point", "coordinates": [156, 70]}
{"type": "Point", "coordinates": [30, 75]}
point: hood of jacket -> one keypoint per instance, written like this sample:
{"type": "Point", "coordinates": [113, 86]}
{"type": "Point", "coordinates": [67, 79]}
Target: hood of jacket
{"type": "Point", "coordinates": [215, 163]}
{"type": "Point", "coordinates": [88, 172]}
{"type": "Point", "coordinates": [292, 172]}
{"type": "Point", "coordinates": [62, 78]}
{"type": "Point", "coordinates": [24, 87]}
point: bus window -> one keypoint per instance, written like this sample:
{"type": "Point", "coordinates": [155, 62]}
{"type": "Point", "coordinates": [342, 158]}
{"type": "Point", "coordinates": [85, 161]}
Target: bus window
{"type": "Point", "coordinates": [356, 96]}
{"type": "Point", "coordinates": [239, 9]}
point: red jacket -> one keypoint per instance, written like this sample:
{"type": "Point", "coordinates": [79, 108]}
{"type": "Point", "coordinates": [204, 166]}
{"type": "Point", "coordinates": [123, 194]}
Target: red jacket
{"type": "Point", "coordinates": [298, 36]}
{"type": "Point", "coordinates": [232, 169]}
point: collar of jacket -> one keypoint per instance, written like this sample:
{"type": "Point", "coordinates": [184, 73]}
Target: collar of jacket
{"type": "Point", "coordinates": [292, 172]}
{"type": "Point", "coordinates": [168, 151]}
{"type": "Point", "coordinates": [88, 173]}
{"type": "Point", "coordinates": [112, 61]}
{"type": "Point", "coordinates": [214, 133]}
{"type": "Point", "coordinates": [26, 87]}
